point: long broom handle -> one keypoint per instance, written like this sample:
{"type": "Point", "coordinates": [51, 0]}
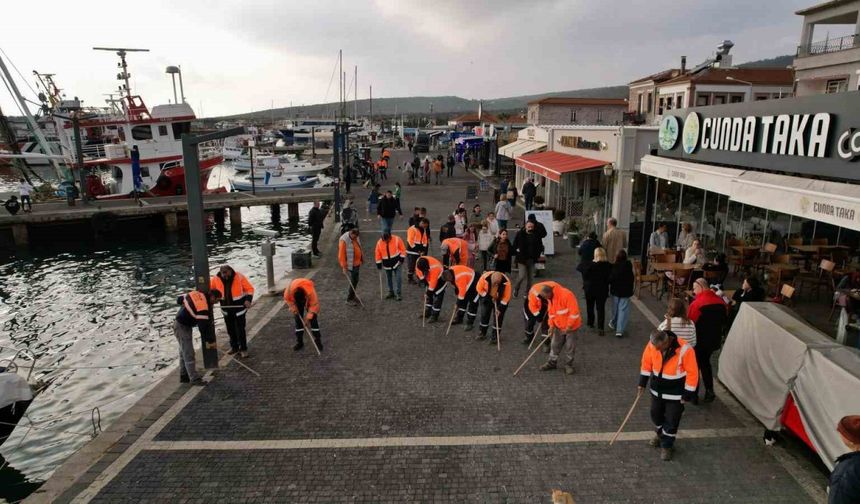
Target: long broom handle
{"type": "Point", "coordinates": [353, 288]}
{"type": "Point", "coordinates": [238, 362]}
{"type": "Point", "coordinates": [453, 314]}
{"type": "Point", "coordinates": [307, 331]}
{"type": "Point", "coordinates": [549, 334]}
{"type": "Point", "coordinates": [497, 328]}
{"type": "Point", "coordinates": [629, 413]}
{"type": "Point", "coordinates": [424, 309]}
{"type": "Point", "coordinates": [381, 295]}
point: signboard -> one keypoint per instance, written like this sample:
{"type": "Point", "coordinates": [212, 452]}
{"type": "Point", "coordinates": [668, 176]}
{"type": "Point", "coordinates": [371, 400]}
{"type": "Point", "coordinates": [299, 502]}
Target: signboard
{"type": "Point", "coordinates": [577, 142]}
{"type": "Point", "coordinates": [471, 192]}
{"type": "Point", "coordinates": [545, 218]}
{"type": "Point", "coordinates": [814, 135]}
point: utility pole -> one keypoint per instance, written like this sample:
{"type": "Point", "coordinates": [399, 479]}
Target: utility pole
{"type": "Point", "coordinates": [340, 71]}
{"type": "Point", "coordinates": [355, 98]}
{"type": "Point", "coordinates": [371, 107]}
{"type": "Point", "coordinates": [343, 103]}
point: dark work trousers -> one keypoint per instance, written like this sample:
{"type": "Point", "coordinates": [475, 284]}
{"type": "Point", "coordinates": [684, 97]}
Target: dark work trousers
{"type": "Point", "coordinates": [383, 174]}
{"type": "Point", "coordinates": [353, 277]}
{"type": "Point", "coordinates": [315, 239]}
{"type": "Point", "coordinates": [468, 306]}
{"type": "Point", "coordinates": [666, 416]}
{"type": "Point", "coordinates": [433, 303]}
{"type": "Point", "coordinates": [26, 204]}
{"type": "Point", "coordinates": [593, 303]}
{"type": "Point", "coordinates": [703, 359]}
{"type": "Point", "coordinates": [529, 201]}
{"type": "Point", "coordinates": [450, 170]}
{"type": "Point", "coordinates": [487, 309]}
{"type": "Point", "coordinates": [538, 321]}
{"type": "Point", "coordinates": [236, 329]}
{"type": "Point", "coordinates": [411, 259]}
{"type": "Point", "coordinates": [314, 326]}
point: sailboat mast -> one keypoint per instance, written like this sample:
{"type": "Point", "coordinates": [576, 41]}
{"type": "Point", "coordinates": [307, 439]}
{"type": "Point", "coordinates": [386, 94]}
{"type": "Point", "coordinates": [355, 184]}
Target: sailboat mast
{"type": "Point", "coordinates": [355, 97]}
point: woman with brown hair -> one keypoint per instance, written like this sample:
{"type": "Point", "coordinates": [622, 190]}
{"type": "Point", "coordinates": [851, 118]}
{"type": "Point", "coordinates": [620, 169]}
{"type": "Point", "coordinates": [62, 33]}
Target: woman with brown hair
{"type": "Point", "coordinates": [501, 251]}
{"type": "Point", "coordinates": [676, 321]}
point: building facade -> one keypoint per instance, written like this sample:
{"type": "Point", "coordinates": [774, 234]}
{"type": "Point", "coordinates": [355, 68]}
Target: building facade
{"type": "Point", "coordinates": [826, 64]}
{"type": "Point", "coordinates": [642, 100]}
{"type": "Point", "coordinates": [559, 110]}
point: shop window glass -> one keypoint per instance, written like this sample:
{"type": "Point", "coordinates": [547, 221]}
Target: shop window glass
{"type": "Point", "coordinates": [719, 99]}
{"type": "Point", "coordinates": [637, 213]}
{"type": "Point", "coordinates": [701, 100]}
{"type": "Point", "coordinates": [802, 229]}
{"type": "Point", "coordinates": [836, 86]}
{"type": "Point", "coordinates": [666, 206]}
{"type": "Point", "coordinates": [825, 231]}
{"type": "Point", "coordinates": [755, 225]}
{"type": "Point", "coordinates": [162, 130]}
{"type": "Point", "coordinates": [734, 221]}
{"type": "Point", "coordinates": [777, 230]}
{"type": "Point", "coordinates": [850, 239]}
{"type": "Point", "coordinates": [710, 230]}
{"type": "Point", "coordinates": [180, 128]}
{"type": "Point", "coordinates": [692, 204]}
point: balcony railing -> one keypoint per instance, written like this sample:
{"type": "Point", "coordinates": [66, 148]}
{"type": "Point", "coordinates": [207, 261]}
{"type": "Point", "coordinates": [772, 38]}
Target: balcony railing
{"type": "Point", "coordinates": [829, 45]}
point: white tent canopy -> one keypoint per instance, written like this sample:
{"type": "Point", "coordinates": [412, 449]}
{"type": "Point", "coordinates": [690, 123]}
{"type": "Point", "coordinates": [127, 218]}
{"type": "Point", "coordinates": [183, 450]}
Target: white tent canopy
{"type": "Point", "coordinates": [520, 147]}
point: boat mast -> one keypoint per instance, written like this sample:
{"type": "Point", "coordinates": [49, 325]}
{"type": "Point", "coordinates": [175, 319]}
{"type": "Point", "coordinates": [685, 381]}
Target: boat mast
{"type": "Point", "coordinates": [31, 121]}
{"type": "Point", "coordinates": [124, 75]}
{"type": "Point", "coordinates": [355, 98]}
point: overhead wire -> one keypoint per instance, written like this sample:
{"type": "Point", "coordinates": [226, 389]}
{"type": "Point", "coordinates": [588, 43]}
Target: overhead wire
{"type": "Point", "coordinates": [19, 73]}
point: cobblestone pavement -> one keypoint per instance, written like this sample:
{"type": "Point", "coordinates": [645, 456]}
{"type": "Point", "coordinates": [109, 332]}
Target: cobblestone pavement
{"type": "Point", "coordinates": [382, 375]}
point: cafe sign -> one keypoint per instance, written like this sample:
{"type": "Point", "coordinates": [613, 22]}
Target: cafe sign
{"type": "Point", "coordinates": [576, 142]}
{"type": "Point", "coordinates": [815, 135]}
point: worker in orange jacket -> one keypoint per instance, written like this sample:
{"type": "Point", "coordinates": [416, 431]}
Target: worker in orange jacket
{"type": "Point", "coordinates": [494, 294]}
{"type": "Point", "coordinates": [238, 293]}
{"type": "Point", "coordinates": [390, 255]}
{"type": "Point", "coordinates": [301, 298]}
{"type": "Point", "coordinates": [564, 320]}
{"type": "Point", "coordinates": [194, 311]}
{"type": "Point", "coordinates": [350, 258]}
{"type": "Point", "coordinates": [669, 363]}
{"type": "Point", "coordinates": [417, 245]}
{"type": "Point", "coordinates": [535, 310]}
{"type": "Point", "coordinates": [455, 251]}
{"type": "Point", "coordinates": [465, 283]}
{"type": "Point", "coordinates": [382, 166]}
{"type": "Point", "coordinates": [429, 272]}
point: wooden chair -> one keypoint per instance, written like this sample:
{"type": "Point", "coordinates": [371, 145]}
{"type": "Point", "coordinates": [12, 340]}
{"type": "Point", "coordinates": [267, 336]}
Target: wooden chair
{"type": "Point", "coordinates": [796, 257]}
{"type": "Point", "coordinates": [780, 278]}
{"type": "Point", "coordinates": [680, 283]}
{"type": "Point", "coordinates": [650, 280]}
{"type": "Point", "coordinates": [667, 258]}
{"type": "Point", "coordinates": [781, 259]}
{"type": "Point", "coordinates": [786, 294]}
{"type": "Point", "coordinates": [822, 278]}
{"type": "Point", "coordinates": [765, 256]}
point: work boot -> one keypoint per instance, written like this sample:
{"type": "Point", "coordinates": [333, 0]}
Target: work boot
{"type": "Point", "coordinates": [298, 346]}
{"type": "Point", "coordinates": [390, 296]}
{"type": "Point", "coordinates": [198, 382]}
{"type": "Point", "coordinates": [399, 298]}
{"type": "Point", "coordinates": [243, 354]}
{"type": "Point", "coordinates": [481, 337]}
{"type": "Point", "coordinates": [709, 396]}
{"type": "Point", "coordinates": [433, 319]}
{"type": "Point", "coordinates": [568, 370]}
{"type": "Point", "coordinates": [493, 340]}
{"type": "Point", "coordinates": [184, 379]}
{"type": "Point", "coordinates": [548, 366]}
{"type": "Point", "coordinates": [655, 441]}
{"type": "Point", "coordinates": [666, 454]}
{"type": "Point", "coordinates": [318, 341]}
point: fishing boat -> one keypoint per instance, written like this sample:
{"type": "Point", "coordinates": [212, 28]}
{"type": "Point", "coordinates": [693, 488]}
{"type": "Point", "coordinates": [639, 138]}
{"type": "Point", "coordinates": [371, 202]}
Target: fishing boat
{"type": "Point", "coordinates": [16, 392]}
{"type": "Point", "coordinates": [272, 180]}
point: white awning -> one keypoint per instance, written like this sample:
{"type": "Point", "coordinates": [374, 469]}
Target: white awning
{"type": "Point", "coordinates": [520, 147]}
{"type": "Point", "coordinates": [708, 177]}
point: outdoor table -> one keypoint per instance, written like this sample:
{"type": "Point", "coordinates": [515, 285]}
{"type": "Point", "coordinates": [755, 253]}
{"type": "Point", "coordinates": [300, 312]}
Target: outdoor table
{"type": "Point", "coordinates": [778, 268]}
{"type": "Point", "coordinates": [807, 251]}
{"type": "Point", "coordinates": [663, 267]}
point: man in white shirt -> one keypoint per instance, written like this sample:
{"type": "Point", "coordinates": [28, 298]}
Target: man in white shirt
{"type": "Point", "coordinates": [24, 189]}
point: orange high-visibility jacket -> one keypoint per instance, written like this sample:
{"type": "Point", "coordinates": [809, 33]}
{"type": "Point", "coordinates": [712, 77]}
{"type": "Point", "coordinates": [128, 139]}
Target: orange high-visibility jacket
{"type": "Point", "coordinates": [386, 154]}
{"type": "Point", "coordinates": [437, 166]}
{"type": "Point", "coordinates": [463, 278]}
{"type": "Point", "coordinates": [483, 287]}
{"type": "Point", "coordinates": [343, 254]}
{"type": "Point", "coordinates": [389, 254]}
{"type": "Point", "coordinates": [564, 310]}
{"type": "Point", "coordinates": [311, 300]}
{"type": "Point", "coordinates": [458, 251]}
{"type": "Point", "coordinates": [434, 272]}
{"type": "Point", "coordinates": [534, 302]}
{"type": "Point", "coordinates": [674, 378]}
{"type": "Point", "coordinates": [417, 239]}
{"type": "Point", "coordinates": [241, 290]}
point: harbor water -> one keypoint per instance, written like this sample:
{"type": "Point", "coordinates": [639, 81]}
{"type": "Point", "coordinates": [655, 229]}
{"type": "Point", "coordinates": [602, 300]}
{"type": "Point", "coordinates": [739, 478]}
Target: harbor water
{"type": "Point", "coordinates": [99, 317]}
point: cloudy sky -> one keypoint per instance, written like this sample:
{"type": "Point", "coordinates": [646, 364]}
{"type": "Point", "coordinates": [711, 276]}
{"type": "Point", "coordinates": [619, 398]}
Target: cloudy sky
{"type": "Point", "coordinates": [242, 55]}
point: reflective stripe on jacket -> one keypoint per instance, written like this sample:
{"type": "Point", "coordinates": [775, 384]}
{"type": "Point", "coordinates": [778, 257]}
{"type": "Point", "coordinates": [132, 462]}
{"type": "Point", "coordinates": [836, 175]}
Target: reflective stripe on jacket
{"type": "Point", "coordinates": [673, 378]}
{"type": "Point", "coordinates": [464, 277]}
{"type": "Point", "coordinates": [194, 310]}
{"type": "Point", "coordinates": [430, 269]}
{"type": "Point", "coordinates": [389, 254]}
{"type": "Point", "coordinates": [564, 310]}
{"type": "Point", "coordinates": [535, 303]}
{"type": "Point", "coordinates": [458, 251]}
{"type": "Point", "coordinates": [484, 287]}
{"type": "Point", "coordinates": [307, 286]}
{"type": "Point", "coordinates": [417, 240]}
{"type": "Point", "coordinates": [241, 290]}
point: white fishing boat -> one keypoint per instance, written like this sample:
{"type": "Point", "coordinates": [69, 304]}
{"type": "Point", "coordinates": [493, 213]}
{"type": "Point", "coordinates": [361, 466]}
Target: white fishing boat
{"type": "Point", "coordinates": [272, 180]}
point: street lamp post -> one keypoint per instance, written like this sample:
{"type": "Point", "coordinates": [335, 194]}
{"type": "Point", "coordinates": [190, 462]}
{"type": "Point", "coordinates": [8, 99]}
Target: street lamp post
{"type": "Point", "coordinates": [750, 84]}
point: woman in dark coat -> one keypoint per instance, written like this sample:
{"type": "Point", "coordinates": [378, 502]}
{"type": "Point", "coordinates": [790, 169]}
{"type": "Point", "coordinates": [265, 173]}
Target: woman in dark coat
{"type": "Point", "coordinates": [596, 281]}
{"type": "Point", "coordinates": [621, 283]}
{"type": "Point", "coordinates": [501, 251]}
{"type": "Point", "coordinates": [586, 252]}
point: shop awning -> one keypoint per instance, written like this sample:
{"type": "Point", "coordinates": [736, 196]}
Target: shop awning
{"type": "Point", "coordinates": [520, 147]}
{"type": "Point", "coordinates": [553, 165]}
{"type": "Point", "coordinates": [708, 177]}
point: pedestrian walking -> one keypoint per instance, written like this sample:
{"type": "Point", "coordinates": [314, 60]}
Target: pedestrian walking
{"type": "Point", "coordinates": [417, 242]}
{"type": "Point", "coordinates": [503, 188]}
{"type": "Point", "coordinates": [503, 211]}
{"type": "Point", "coordinates": [416, 168]}
{"type": "Point", "coordinates": [614, 239]}
{"type": "Point", "coordinates": [426, 176]}
{"type": "Point", "coordinates": [24, 190]}
{"type": "Point", "coordinates": [709, 312]}
{"type": "Point", "coordinates": [350, 259]}
{"type": "Point", "coordinates": [398, 191]}
{"type": "Point", "coordinates": [596, 286]}
{"type": "Point", "coordinates": [301, 298]}
{"type": "Point", "coordinates": [460, 222]}
{"type": "Point", "coordinates": [844, 484]}
{"type": "Point", "coordinates": [449, 229]}
{"type": "Point", "coordinates": [348, 217]}
{"type": "Point", "coordinates": [540, 229]}
{"type": "Point", "coordinates": [564, 321]}
{"type": "Point", "coordinates": [485, 239]}
{"type": "Point", "coordinates": [476, 216]}
{"type": "Point", "coordinates": [12, 205]}
{"type": "Point", "coordinates": [493, 224]}
{"type": "Point", "coordinates": [437, 170]}
{"type": "Point", "coordinates": [386, 211]}
{"type": "Point", "coordinates": [454, 251]}
{"type": "Point", "coordinates": [535, 310]}
{"type": "Point", "coordinates": [429, 272]}
{"type": "Point", "coordinates": [315, 222]}
{"type": "Point", "coordinates": [465, 283]}
{"type": "Point", "coordinates": [501, 252]}
{"type": "Point", "coordinates": [383, 169]}
{"type": "Point", "coordinates": [621, 284]}
{"type": "Point", "coordinates": [195, 309]}
{"type": "Point", "coordinates": [471, 239]}
{"type": "Point", "coordinates": [670, 367]}
{"type": "Point", "coordinates": [528, 248]}
{"type": "Point", "coordinates": [373, 200]}
{"type": "Point", "coordinates": [390, 255]}
{"type": "Point", "coordinates": [586, 252]}
{"type": "Point", "coordinates": [529, 191]}
{"type": "Point", "coordinates": [494, 294]}
{"type": "Point", "coordinates": [237, 296]}
{"type": "Point", "coordinates": [451, 162]}
{"type": "Point", "coordinates": [676, 320]}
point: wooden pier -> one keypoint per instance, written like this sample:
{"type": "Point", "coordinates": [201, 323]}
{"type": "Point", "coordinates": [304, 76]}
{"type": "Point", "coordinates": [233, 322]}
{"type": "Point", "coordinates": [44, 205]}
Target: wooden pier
{"type": "Point", "coordinates": [169, 207]}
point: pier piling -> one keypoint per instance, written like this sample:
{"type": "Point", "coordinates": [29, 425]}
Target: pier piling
{"type": "Point", "coordinates": [235, 218]}
{"type": "Point", "coordinates": [171, 221]}
{"type": "Point", "coordinates": [293, 212]}
{"type": "Point", "coordinates": [20, 234]}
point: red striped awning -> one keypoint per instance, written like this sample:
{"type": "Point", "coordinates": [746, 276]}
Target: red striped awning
{"type": "Point", "coordinates": [553, 165]}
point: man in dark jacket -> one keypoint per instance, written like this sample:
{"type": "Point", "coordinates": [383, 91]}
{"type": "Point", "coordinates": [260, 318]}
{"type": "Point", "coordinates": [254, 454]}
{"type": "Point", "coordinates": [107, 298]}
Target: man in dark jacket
{"type": "Point", "coordinates": [621, 285]}
{"type": "Point", "coordinates": [386, 210]}
{"type": "Point", "coordinates": [448, 230]}
{"type": "Point", "coordinates": [315, 222]}
{"type": "Point", "coordinates": [451, 162]}
{"type": "Point", "coordinates": [528, 248]}
{"type": "Point", "coordinates": [586, 251]}
{"type": "Point", "coordinates": [529, 192]}
{"type": "Point", "coordinates": [844, 485]}
{"type": "Point", "coordinates": [540, 229]}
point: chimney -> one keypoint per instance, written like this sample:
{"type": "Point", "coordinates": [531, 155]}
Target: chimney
{"type": "Point", "coordinates": [683, 65]}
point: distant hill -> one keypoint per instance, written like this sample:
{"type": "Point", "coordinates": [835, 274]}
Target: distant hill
{"type": "Point", "coordinates": [421, 105]}
{"type": "Point", "coordinates": [777, 62]}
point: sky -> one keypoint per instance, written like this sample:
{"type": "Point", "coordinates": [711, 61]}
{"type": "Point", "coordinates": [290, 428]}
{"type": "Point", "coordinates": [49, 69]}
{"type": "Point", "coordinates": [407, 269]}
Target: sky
{"type": "Point", "coordinates": [243, 55]}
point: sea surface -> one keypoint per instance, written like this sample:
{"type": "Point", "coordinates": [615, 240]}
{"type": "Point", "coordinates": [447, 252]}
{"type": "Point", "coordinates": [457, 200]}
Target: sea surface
{"type": "Point", "coordinates": [99, 317]}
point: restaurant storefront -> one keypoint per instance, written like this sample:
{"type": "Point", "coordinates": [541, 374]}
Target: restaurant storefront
{"type": "Point", "coordinates": [765, 172]}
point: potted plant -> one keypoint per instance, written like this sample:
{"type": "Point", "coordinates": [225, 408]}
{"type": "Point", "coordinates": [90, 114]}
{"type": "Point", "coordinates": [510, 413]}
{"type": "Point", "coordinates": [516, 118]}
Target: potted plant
{"type": "Point", "coordinates": [558, 222]}
{"type": "Point", "coordinates": [573, 234]}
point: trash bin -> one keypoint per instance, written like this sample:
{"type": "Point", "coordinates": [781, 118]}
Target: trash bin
{"type": "Point", "coordinates": [301, 259]}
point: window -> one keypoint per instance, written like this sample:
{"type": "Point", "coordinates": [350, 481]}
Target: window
{"type": "Point", "coordinates": [701, 100]}
{"type": "Point", "coordinates": [679, 101]}
{"type": "Point", "coordinates": [180, 128]}
{"type": "Point", "coordinates": [736, 98]}
{"type": "Point", "coordinates": [836, 86]}
{"type": "Point", "coordinates": [144, 171]}
{"type": "Point", "coordinates": [660, 106]}
{"type": "Point", "coordinates": [142, 132]}
{"type": "Point", "coordinates": [572, 115]}
{"type": "Point", "coordinates": [719, 99]}
{"type": "Point", "coordinates": [762, 97]}
{"type": "Point", "coordinates": [599, 119]}
{"type": "Point", "coordinates": [162, 130]}
{"type": "Point", "coordinates": [650, 103]}
{"type": "Point", "coordinates": [639, 107]}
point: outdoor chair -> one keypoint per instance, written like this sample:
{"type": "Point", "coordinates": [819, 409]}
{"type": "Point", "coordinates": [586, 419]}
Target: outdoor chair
{"type": "Point", "coordinates": [649, 280]}
{"type": "Point", "coordinates": [822, 278]}
{"type": "Point", "coordinates": [765, 256]}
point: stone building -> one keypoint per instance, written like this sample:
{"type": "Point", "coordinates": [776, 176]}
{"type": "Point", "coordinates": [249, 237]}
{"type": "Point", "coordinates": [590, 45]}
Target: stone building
{"type": "Point", "coordinates": [587, 111]}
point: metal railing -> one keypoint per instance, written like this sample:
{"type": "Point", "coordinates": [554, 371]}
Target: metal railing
{"type": "Point", "coordinates": [829, 45]}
